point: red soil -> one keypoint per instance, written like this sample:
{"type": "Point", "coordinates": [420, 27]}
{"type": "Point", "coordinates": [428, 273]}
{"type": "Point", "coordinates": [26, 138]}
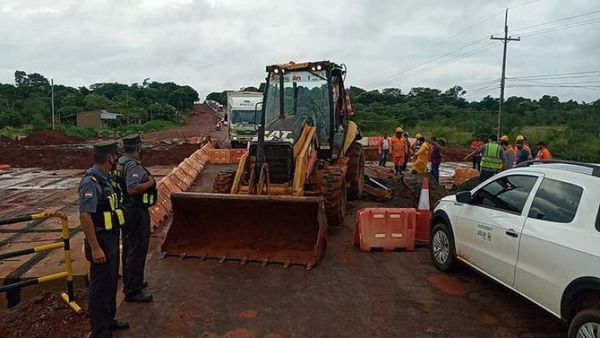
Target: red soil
{"type": "Point", "coordinates": [42, 138]}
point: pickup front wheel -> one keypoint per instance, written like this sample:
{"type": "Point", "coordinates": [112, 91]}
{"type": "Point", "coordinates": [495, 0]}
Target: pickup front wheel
{"type": "Point", "coordinates": [442, 248]}
{"type": "Point", "coordinates": [585, 324]}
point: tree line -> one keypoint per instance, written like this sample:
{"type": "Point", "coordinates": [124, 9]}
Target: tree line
{"type": "Point", "coordinates": [28, 100]}
{"type": "Point", "coordinates": [570, 128]}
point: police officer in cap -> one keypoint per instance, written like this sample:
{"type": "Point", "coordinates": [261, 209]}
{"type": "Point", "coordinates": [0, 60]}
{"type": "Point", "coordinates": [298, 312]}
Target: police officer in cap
{"type": "Point", "coordinates": [139, 193]}
{"type": "Point", "coordinates": [101, 217]}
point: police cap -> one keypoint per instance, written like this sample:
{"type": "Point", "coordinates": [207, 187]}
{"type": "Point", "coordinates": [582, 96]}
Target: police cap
{"type": "Point", "coordinates": [132, 140]}
{"type": "Point", "coordinates": [105, 147]}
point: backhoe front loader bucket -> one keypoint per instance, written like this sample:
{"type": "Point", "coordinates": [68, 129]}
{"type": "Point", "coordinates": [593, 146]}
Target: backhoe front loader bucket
{"type": "Point", "coordinates": [282, 229]}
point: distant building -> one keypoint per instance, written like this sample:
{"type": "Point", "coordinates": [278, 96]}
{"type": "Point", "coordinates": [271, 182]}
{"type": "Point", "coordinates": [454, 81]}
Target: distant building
{"type": "Point", "coordinates": [98, 119]}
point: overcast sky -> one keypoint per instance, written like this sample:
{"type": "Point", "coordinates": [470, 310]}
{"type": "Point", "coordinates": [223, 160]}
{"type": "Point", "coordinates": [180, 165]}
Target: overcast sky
{"type": "Point", "coordinates": [214, 45]}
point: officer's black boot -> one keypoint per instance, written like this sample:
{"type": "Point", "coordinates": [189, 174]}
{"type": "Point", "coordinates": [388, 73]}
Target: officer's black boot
{"type": "Point", "coordinates": [139, 297]}
{"type": "Point", "coordinates": [117, 325]}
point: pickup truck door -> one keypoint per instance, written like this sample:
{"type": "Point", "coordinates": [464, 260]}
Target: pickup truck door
{"type": "Point", "coordinates": [488, 228]}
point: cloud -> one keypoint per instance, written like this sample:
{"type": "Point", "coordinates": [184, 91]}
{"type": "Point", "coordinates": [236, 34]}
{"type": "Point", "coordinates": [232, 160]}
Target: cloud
{"type": "Point", "coordinates": [215, 45]}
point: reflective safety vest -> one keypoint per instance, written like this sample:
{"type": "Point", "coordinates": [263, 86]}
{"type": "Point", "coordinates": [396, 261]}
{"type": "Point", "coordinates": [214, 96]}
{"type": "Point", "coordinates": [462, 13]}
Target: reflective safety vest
{"type": "Point", "coordinates": [491, 159]}
{"type": "Point", "coordinates": [144, 200]}
{"type": "Point", "coordinates": [109, 215]}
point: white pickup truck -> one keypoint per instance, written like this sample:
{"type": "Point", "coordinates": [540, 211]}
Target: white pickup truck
{"type": "Point", "coordinates": [243, 115]}
{"type": "Point", "coordinates": [534, 229]}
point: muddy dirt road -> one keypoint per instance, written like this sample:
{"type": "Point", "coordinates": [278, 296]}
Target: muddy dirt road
{"type": "Point", "coordinates": [349, 294]}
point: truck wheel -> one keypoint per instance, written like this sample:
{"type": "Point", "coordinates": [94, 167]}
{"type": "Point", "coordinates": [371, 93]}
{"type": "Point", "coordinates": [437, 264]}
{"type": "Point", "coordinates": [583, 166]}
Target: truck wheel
{"type": "Point", "coordinates": [333, 189]}
{"type": "Point", "coordinates": [355, 175]}
{"type": "Point", "coordinates": [223, 182]}
{"type": "Point", "coordinates": [442, 248]}
{"type": "Point", "coordinates": [585, 324]}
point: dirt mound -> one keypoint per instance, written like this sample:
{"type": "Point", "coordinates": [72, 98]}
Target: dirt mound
{"type": "Point", "coordinates": [55, 158]}
{"type": "Point", "coordinates": [43, 138]}
{"type": "Point", "coordinates": [455, 154]}
{"type": "Point", "coordinates": [45, 316]}
{"type": "Point", "coordinates": [468, 185]}
{"type": "Point", "coordinates": [168, 156]}
{"type": "Point", "coordinates": [406, 194]}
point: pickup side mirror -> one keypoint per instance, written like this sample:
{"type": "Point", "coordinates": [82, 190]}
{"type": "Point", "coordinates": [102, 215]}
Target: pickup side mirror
{"type": "Point", "coordinates": [463, 197]}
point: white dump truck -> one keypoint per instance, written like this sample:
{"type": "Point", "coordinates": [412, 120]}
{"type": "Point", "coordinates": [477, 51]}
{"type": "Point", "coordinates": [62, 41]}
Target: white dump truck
{"type": "Point", "coordinates": [243, 115]}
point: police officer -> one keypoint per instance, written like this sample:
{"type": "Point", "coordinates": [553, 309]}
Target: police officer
{"type": "Point", "coordinates": [101, 217]}
{"type": "Point", "coordinates": [139, 193]}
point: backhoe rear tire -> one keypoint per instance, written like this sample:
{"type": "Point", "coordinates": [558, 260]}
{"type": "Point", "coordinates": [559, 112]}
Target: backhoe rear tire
{"type": "Point", "coordinates": [355, 175]}
{"type": "Point", "coordinates": [334, 197]}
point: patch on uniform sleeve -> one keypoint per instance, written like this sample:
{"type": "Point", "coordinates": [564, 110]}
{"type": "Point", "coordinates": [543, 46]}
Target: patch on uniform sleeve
{"type": "Point", "coordinates": [135, 175]}
{"type": "Point", "coordinates": [88, 194]}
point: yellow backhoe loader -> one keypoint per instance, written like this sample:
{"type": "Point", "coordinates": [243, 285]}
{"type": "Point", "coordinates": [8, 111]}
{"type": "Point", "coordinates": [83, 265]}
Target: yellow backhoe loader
{"type": "Point", "coordinates": [291, 184]}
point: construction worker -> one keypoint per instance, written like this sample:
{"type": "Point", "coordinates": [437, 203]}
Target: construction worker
{"type": "Point", "coordinates": [407, 150]}
{"type": "Point", "coordinates": [139, 193]}
{"type": "Point", "coordinates": [384, 149]}
{"type": "Point", "coordinates": [491, 159]}
{"type": "Point", "coordinates": [543, 152]}
{"type": "Point", "coordinates": [417, 144]}
{"type": "Point", "coordinates": [475, 146]}
{"type": "Point", "coordinates": [101, 218]}
{"type": "Point", "coordinates": [523, 141]}
{"type": "Point", "coordinates": [508, 153]}
{"type": "Point", "coordinates": [522, 154]}
{"type": "Point", "coordinates": [398, 149]}
{"type": "Point", "coordinates": [435, 155]}
{"type": "Point", "coordinates": [421, 157]}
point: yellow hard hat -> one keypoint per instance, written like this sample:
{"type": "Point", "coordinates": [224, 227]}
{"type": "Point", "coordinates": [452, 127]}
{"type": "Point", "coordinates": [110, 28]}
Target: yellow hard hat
{"type": "Point", "coordinates": [399, 130]}
{"type": "Point", "coordinates": [504, 138]}
{"type": "Point", "coordinates": [520, 138]}
{"type": "Point", "coordinates": [418, 135]}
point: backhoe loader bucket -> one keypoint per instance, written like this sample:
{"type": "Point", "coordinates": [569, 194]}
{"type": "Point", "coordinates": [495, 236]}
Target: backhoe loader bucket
{"type": "Point", "coordinates": [282, 229]}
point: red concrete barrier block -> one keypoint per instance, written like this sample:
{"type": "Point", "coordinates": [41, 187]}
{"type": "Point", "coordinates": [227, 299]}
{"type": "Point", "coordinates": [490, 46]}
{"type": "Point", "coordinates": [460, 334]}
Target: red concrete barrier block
{"type": "Point", "coordinates": [373, 141]}
{"type": "Point", "coordinates": [236, 155]}
{"type": "Point", "coordinates": [219, 156]}
{"type": "Point", "coordinates": [385, 228]}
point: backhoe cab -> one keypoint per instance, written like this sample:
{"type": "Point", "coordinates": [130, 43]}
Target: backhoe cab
{"type": "Point", "coordinates": [304, 163]}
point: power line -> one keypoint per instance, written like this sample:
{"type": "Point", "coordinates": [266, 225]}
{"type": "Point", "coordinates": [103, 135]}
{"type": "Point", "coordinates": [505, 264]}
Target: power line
{"type": "Point", "coordinates": [554, 21]}
{"type": "Point", "coordinates": [590, 73]}
{"type": "Point", "coordinates": [562, 27]}
{"type": "Point", "coordinates": [416, 68]}
{"type": "Point", "coordinates": [440, 64]}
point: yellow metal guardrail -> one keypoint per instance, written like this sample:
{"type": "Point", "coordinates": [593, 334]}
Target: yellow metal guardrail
{"type": "Point", "coordinates": [67, 274]}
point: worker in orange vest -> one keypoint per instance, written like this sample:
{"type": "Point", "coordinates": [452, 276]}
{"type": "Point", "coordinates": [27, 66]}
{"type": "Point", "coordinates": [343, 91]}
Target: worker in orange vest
{"type": "Point", "coordinates": [398, 150]}
{"type": "Point", "coordinates": [543, 152]}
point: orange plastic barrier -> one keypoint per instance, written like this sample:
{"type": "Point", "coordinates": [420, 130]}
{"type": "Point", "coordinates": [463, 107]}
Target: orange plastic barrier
{"type": "Point", "coordinates": [236, 155]}
{"type": "Point", "coordinates": [461, 175]}
{"type": "Point", "coordinates": [385, 228]}
{"type": "Point", "coordinates": [373, 141]}
{"type": "Point", "coordinates": [219, 156]}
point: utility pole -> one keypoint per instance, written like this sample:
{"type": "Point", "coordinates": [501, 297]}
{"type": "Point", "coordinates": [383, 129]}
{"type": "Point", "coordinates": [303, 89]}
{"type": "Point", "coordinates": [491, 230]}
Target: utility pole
{"type": "Point", "coordinates": [505, 39]}
{"type": "Point", "coordinates": [52, 91]}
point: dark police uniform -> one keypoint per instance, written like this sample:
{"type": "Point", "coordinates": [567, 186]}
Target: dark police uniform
{"type": "Point", "coordinates": [98, 198]}
{"type": "Point", "coordinates": [136, 233]}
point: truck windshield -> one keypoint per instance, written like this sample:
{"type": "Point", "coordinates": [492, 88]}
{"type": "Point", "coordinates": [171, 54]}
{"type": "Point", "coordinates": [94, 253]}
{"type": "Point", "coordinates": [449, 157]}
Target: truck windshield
{"type": "Point", "coordinates": [244, 116]}
{"type": "Point", "coordinates": [305, 93]}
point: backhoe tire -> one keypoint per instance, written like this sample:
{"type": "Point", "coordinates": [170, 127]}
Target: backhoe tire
{"type": "Point", "coordinates": [223, 182]}
{"type": "Point", "coordinates": [355, 175]}
{"type": "Point", "coordinates": [334, 197]}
